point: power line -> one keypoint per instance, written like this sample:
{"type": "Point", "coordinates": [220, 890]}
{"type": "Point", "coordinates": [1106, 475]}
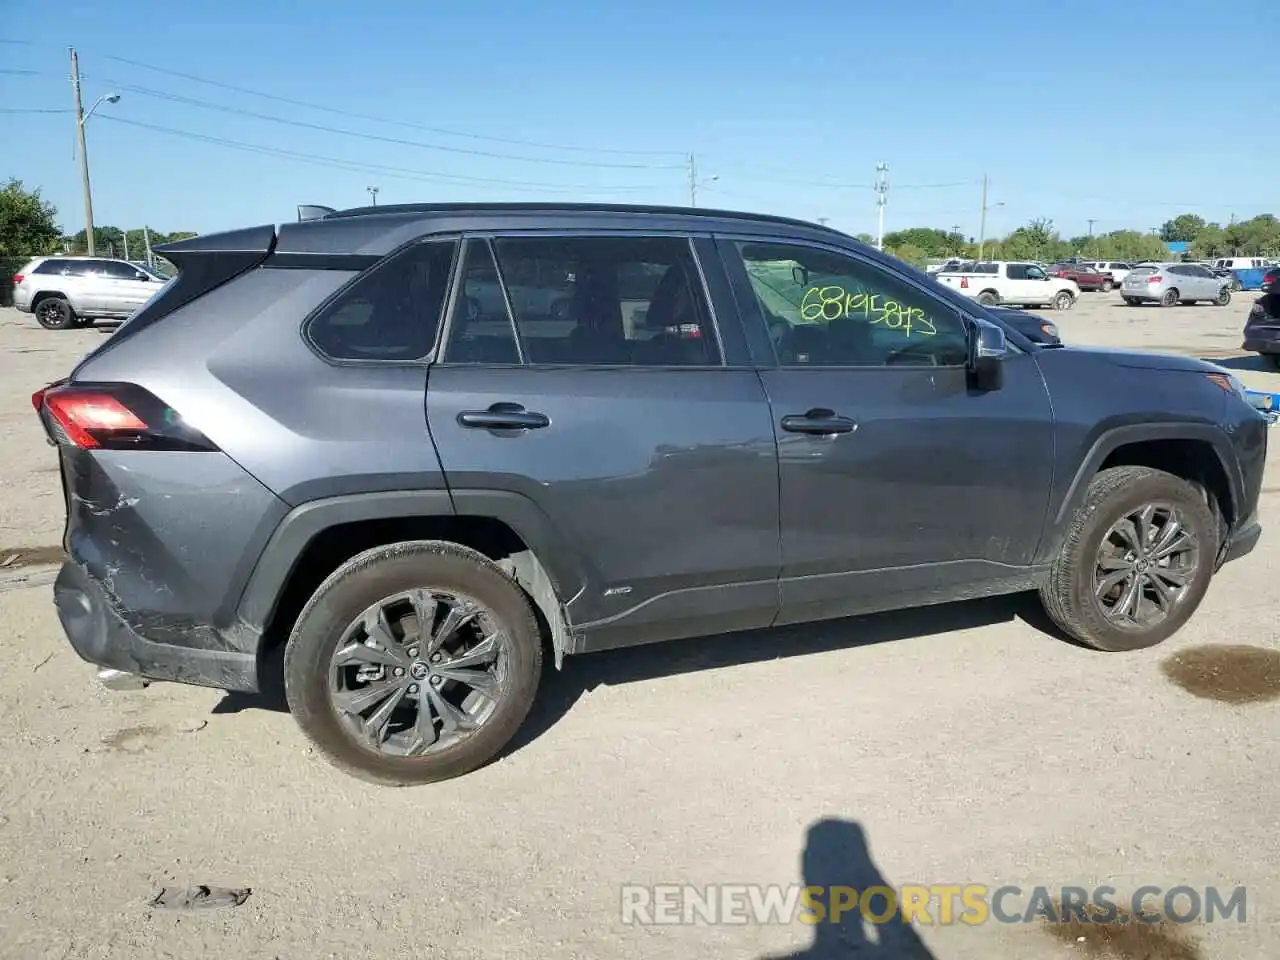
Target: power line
{"type": "Point", "coordinates": [360, 167]}
{"type": "Point", "coordinates": [34, 110]}
{"type": "Point", "coordinates": [402, 123]}
{"type": "Point", "coordinates": [398, 141]}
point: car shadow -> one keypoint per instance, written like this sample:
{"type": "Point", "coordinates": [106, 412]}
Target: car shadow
{"type": "Point", "coordinates": [836, 854]}
{"type": "Point", "coordinates": [560, 689]}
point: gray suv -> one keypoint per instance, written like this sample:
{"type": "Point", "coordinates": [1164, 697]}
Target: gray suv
{"type": "Point", "coordinates": [409, 448]}
{"type": "Point", "coordinates": [66, 292]}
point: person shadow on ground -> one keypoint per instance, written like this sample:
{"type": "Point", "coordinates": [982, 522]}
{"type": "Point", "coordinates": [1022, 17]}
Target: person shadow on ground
{"type": "Point", "coordinates": [836, 855]}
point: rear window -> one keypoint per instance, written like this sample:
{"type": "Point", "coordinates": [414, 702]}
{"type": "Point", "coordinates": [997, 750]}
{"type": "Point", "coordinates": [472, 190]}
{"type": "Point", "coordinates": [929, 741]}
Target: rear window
{"type": "Point", "coordinates": [54, 267]}
{"type": "Point", "coordinates": [1143, 270]}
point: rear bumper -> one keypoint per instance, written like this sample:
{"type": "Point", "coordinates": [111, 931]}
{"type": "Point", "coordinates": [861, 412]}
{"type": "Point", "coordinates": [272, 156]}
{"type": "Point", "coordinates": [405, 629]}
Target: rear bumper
{"type": "Point", "coordinates": [101, 636]}
{"type": "Point", "coordinates": [1258, 344]}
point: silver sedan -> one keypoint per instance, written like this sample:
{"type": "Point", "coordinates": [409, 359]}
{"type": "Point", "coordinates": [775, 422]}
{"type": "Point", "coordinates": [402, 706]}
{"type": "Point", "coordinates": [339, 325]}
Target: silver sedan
{"type": "Point", "coordinates": [1169, 284]}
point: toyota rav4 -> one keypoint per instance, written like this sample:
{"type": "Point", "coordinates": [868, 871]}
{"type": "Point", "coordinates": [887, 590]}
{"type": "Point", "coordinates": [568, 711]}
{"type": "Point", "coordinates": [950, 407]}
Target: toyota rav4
{"type": "Point", "coordinates": [408, 449]}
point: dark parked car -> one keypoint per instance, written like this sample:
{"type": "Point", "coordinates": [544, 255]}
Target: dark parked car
{"type": "Point", "coordinates": [333, 439]}
{"type": "Point", "coordinates": [1269, 279]}
{"type": "Point", "coordinates": [1262, 327]}
{"type": "Point", "coordinates": [1032, 327]}
{"type": "Point", "coordinates": [1085, 277]}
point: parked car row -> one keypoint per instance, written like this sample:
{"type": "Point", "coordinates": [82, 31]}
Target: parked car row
{"type": "Point", "coordinates": [1011, 283]}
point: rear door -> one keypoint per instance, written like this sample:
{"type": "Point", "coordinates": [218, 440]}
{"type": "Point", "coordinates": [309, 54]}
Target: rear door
{"type": "Point", "coordinates": [899, 482]}
{"type": "Point", "coordinates": [586, 379]}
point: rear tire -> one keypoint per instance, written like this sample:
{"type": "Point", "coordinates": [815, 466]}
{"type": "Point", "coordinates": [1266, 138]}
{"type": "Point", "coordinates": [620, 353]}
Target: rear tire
{"type": "Point", "coordinates": [1274, 360]}
{"type": "Point", "coordinates": [988, 298]}
{"type": "Point", "coordinates": [1071, 596]}
{"type": "Point", "coordinates": [1131, 301]}
{"type": "Point", "coordinates": [338, 709]}
{"type": "Point", "coordinates": [55, 313]}
{"type": "Point", "coordinates": [1170, 298]}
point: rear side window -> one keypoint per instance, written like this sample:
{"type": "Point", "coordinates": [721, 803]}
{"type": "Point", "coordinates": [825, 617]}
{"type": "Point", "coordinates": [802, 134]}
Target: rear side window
{"type": "Point", "coordinates": [598, 301]}
{"type": "Point", "coordinates": [392, 312]}
{"type": "Point", "coordinates": [66, 268]}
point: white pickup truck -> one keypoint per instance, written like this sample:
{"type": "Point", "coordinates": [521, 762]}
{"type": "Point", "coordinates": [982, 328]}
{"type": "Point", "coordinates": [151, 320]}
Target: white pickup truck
{"type": "Point", "coordinates": [1010, 283]}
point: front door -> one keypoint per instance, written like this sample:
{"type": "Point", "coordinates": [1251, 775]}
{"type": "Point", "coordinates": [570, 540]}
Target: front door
{"type": "Point", "coordinates": [900, 483]}
{"type": "Point", "coordinates": [587, 377]}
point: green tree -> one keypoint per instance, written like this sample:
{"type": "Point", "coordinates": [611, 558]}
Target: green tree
{"type": "Point", "coordinates": [1209, 243]}
{"type": "Point", "coordinates": [1130, 245]}
{"type": "Point", "coordinates": [1038, 240]}
{"type": "Point", "coordinates": [28, 224]}
{"type": "Point", "coordinates": [934, 242]}
{"type": "Point", "coordinates": [1184, 228]}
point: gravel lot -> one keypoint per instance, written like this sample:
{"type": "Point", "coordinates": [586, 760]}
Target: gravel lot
{"type": "Point", "coordinates": [972, 748]}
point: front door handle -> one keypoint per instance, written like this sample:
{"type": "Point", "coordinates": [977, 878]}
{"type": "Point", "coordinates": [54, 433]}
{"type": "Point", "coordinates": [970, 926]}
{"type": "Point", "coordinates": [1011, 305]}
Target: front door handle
{"type": "Point", "coordinates": [818, 422]}
{"type": "Point", "coordinates": [504, 416]}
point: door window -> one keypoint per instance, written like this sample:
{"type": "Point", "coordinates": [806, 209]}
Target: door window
{"type": "Point", "coordinates": [828, 309]}
{"type": "Point", "coordinates": [1035, 273]}
{"type": "Point", "coordinates": [118, 270]}
{"type": "Point", "coordinates": [480, 328]}
{"type": "Point", "coordinates": [607, 301]}
{"type": "Point", "coordinates": [391, 312]}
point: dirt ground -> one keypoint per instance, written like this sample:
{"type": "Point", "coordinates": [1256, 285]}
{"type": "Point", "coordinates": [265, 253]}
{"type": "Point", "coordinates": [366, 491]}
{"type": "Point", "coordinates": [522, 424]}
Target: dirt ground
{"type": "Point", "coordinates": [972, 748]}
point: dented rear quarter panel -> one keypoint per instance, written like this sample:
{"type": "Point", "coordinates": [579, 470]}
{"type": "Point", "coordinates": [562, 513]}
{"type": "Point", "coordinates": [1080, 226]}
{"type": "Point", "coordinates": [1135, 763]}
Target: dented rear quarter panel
{"type": "Point", "coordinates": [170, 536]}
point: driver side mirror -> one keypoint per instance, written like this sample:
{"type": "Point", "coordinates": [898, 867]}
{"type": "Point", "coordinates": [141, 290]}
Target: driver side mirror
{"type": "Point", "coordinates": [986, 355]}
{"type": "Point", "coordinates": [800, 276]}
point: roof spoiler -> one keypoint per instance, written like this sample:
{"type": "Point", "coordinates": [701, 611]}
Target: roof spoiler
{"type": "Point", "coordinates": [313, 211]}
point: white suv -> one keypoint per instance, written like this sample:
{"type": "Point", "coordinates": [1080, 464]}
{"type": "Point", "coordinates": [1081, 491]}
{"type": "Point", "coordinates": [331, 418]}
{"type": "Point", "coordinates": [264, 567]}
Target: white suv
{"type": "Point", "coordinates": [65, 292]}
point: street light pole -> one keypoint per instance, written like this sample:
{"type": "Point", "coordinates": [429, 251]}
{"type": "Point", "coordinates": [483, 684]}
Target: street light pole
{"type": "Point", "coordinates": [82, 117]}
{"type": "Point", "coordinates": [84, 155]}
{"type": "Point", "coordinates": [373, 192]}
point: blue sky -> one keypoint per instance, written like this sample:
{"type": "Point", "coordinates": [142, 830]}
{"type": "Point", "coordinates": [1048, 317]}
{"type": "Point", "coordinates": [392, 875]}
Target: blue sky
{"type": "Point", "coordinates": [789, 106]}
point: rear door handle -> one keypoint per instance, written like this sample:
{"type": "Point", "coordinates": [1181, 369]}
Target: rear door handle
{"type": "Point", "coordinates": [504, 416]}
{"type": "Point", "coordinates": [818, 422]}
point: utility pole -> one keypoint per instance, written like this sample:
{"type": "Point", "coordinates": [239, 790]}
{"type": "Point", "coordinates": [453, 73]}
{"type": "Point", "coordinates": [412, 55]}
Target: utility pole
{"type": "Point", "coordinates": [693, 181]}
{"type": "Point", "coordinates": [882, 197]}
{"type": "Point", "coordinates": [823, 220]}
{"type": "Point", "coordinates": [955, 236]}
{"type": "Point", "coordinates": [146, 238]}
{"type": "Point", "coordinates": [373, 192]}
{"type": "Point", "coordinates": [982, 226]}
{"type": "Point", "coordinates": [124, 235]}
{"type": "Point", "coordinates": [1092, 221]}
{"type": "Point", "coordinates": [84, 155]}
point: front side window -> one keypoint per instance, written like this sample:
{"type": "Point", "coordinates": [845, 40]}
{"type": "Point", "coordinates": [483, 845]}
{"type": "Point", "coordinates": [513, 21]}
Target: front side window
{"type": "Point", "coordinates": [1035, 273]}
{"type": "Point", "coordinates": [609, 301]}
{"type": "Point", "coordinates": [1018, 271]}
{"type": "Point", "coordinates": [118, 270]}
{"type": "Point", "coordinates": [392, 312]}
{"type": "Point", "coordinates": [828, 309]}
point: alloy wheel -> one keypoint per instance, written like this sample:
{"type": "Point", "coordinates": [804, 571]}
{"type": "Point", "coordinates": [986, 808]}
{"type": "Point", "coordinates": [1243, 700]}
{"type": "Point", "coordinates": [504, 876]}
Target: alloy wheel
{"type": "Point", "coordinates": [1145, 567]}
{"type": "Point", "coordinates": [419, 672]}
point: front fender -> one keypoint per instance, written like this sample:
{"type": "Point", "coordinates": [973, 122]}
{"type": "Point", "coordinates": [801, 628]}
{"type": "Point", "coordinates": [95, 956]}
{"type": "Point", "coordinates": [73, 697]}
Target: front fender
{"type": "Point", "coordinates": [1110, 439]}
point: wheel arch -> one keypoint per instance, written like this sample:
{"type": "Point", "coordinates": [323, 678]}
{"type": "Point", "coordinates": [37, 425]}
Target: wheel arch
{"type": "Point", "coordinates": [1198, 452]}
{"type": "Point", "coordinates": [316, 537]}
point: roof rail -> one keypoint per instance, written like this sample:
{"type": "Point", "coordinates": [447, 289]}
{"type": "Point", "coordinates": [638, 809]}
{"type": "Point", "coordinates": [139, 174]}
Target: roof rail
{"type": "Point", "coordinates": [313, 211]}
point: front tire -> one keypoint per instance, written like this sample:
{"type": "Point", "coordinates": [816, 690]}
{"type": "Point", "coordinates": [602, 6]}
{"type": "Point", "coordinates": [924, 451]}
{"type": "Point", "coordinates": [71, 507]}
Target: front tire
{"type": "Point", "coordinates": [1063, 300]}
{"type": "Point", "coordinates": [413, 663]}
{"type": "Point", "coordinates": [1136, 561]}
{"type": "Point", "coordinates": [55, 313]}
{"type": "Point", "coordinates": [1107, 286]}
{"type": "Point", "coordinates": [1223, 298]}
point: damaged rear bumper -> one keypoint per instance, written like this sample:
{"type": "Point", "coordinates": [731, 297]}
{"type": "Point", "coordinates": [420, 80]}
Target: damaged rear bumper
{"type": "Point", "coordinates": [100, 635]}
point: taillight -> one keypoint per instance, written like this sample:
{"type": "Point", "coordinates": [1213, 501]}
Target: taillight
{"type": "Point", "coordinates": [964, 282]}
{"type": "Point", "coordinates": [1154, 278]}
{"type": "Point", "coordinates": [114, 416]}
{"type": "Point", "coordinates": [17, 279]}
